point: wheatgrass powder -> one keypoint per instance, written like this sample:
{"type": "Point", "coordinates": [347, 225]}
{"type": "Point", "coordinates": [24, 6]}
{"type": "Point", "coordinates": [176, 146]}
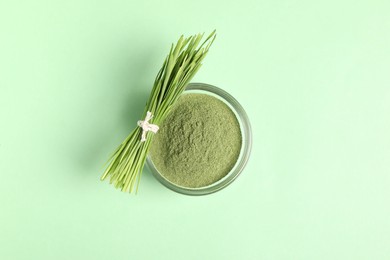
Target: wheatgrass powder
{"type": "Point", "coordinates": [198, 143]}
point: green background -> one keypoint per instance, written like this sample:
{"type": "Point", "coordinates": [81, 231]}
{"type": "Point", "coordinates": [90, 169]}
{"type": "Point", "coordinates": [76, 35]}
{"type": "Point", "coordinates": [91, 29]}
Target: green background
{"type": "Point", "coordinates": [313, 77]}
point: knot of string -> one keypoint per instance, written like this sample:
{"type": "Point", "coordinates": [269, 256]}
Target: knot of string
{"type": "Point", "coordinates": [146, 126]}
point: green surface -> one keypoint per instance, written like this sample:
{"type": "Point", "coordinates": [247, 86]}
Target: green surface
{"type": "Point", "coordinates": [313, 77]}
{"type": "Point", "coordinates": [198, 143]}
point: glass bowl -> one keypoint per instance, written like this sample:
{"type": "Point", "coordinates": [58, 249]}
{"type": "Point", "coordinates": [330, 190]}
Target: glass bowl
{"type": "Point", "coordinates": [246, 134]}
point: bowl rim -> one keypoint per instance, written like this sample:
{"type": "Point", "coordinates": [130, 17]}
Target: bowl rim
{"type": "Point", "coordinates": [245, 152]}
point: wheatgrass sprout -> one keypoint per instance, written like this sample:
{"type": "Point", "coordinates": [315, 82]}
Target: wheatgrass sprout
{"type": "Point", "coordinates": [183, 61]}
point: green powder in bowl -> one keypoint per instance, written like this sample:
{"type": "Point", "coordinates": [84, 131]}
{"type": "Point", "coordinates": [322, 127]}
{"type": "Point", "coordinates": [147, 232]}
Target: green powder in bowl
{"type": "Point", "coordinates": [201, 141]}
{"type": "Point", "coordinates": [198, 143]}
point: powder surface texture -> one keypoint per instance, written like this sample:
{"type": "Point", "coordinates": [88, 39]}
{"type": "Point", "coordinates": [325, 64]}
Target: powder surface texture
{"type": "Point", "coordinates": [198, 143]}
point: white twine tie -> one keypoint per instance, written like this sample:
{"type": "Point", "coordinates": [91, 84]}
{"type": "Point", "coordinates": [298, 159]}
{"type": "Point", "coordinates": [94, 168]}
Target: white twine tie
{"type": "Point", "coordinates": [144, 124]}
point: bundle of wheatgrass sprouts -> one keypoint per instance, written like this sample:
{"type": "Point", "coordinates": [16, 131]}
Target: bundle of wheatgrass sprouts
{"type": "Point", "coordinates": [183, 61]}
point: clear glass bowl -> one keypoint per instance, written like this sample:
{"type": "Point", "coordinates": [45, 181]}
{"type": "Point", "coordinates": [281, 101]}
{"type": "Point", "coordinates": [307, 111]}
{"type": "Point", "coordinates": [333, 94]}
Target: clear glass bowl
{"type": "Point", "coordinates": [246, 134]}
